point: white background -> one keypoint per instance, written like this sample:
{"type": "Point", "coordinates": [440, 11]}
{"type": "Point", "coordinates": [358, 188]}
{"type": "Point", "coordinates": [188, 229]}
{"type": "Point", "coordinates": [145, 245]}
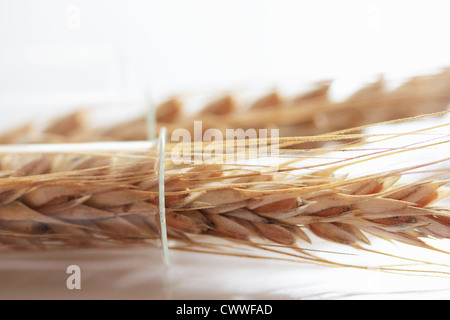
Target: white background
{"type": "Point", "coordinates": [58, 53]}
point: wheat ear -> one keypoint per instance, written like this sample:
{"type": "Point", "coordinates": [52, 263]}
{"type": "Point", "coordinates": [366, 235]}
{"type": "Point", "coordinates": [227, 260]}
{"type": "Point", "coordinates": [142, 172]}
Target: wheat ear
{"type": "Point", "coordinates": [307, 114]}
{"type": "Point", "coordinates": [62, 200]}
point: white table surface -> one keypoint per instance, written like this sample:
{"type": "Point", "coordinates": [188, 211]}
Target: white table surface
{"type": "Point", "coordinates": [138, 273]}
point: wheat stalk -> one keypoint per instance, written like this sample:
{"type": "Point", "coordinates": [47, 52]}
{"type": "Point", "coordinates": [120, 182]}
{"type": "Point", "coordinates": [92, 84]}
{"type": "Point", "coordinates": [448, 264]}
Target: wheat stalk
{"type": "Point", "coordinates": [63, 200]}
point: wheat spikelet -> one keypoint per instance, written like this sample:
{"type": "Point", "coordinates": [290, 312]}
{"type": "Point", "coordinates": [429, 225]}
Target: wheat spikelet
{"type": "Point", "coordinates": [56, 200]}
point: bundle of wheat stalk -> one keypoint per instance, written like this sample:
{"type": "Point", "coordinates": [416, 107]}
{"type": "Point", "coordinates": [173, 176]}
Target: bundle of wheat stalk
{"type": "Point", "coordinates": [55, 199]}
{"type": "Point", "coordinates": [306, 114]}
